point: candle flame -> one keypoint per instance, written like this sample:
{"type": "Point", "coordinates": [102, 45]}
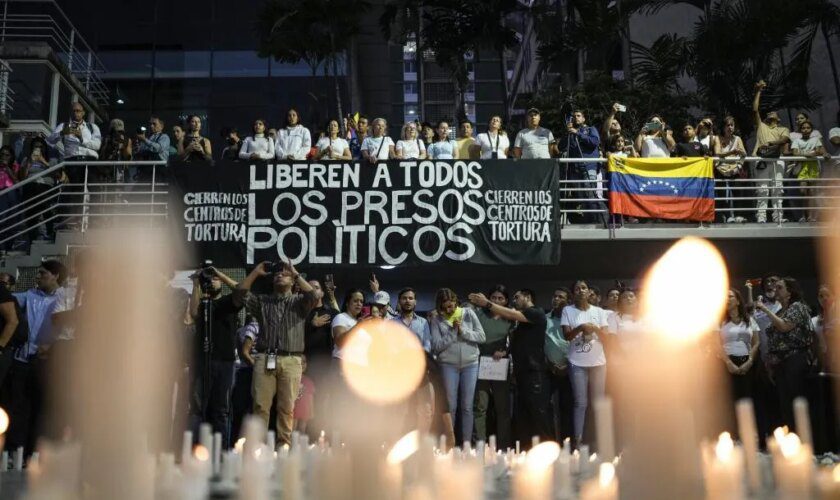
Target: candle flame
{"type": "Point", "coordinates": [543, 455]}
{"type": "Point", "coordinates": [258, 452]}
{"type": "Point", "coordinates": [835, 474]}
{"type": "Point", "coordinates": [404, 448]}
{"type": "Point", "coordinates": [593, 458]}
{"type": "Point", "coordinates": [201, 453]}
{"type": "Point", "coordinates": [606, 474]}
{"type": "Point", "coordinates": [4, 421]}
{"type": "Point", "coordinates": [725, 447]}
{"type": "Point", "coordinates": [692, 261]}
{"type": "Point", "coordinates": [239, 445]}
{"type": "Point", "coordinates": [790, 445]}
{"type": "Point", "coordinates": [384, 361]}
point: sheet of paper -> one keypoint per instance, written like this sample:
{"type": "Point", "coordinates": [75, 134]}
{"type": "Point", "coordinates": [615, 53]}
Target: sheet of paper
{"type": "Point", "coordinates": [491, 369]}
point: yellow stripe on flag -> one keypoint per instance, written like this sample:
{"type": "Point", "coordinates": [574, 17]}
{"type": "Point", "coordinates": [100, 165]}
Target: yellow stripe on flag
{"type": "Point", "coordinates": [663, 167]}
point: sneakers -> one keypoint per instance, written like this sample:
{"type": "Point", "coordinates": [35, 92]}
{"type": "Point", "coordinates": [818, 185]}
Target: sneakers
{"type": "Point", "coordinates": [736, 220]}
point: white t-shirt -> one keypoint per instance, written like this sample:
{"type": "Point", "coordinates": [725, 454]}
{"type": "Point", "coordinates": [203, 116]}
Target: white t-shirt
{"type": "Point", "coordinates": [585, 353]}
{"type": "Point", "coordinates": [654, 147]}
{"type": "Point", "coordinates": [798, 135]}
{"type": "Point", "coordinates": [737, 339]}
{"type": "Point", "coordinates": [338, 146]}
{"type": "Point", "coordinates": [410, 149]}
{"type": "Point", "coordinates": [294, 141]}
{"type": "Point", "coordinates": [833, 133]}
{"type": "Point", "coordinates": [347, 322]}
{"type": "Point", "coordinates": [490, 143]}
{"type": "Point", "coordinates": [763, 321]}
{"type": "Point", "coordinates": [534, 143]}
{"type": "Point", "coordinates": [260, 145]}
{"type": "Point", "coordinates": [806, 146]}
{"type": "Point", "coordinates": [627, 328]}
{"type": "Point", "coordinates": [372, 146]}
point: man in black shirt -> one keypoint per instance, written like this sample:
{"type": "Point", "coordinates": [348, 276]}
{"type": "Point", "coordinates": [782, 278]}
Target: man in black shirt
{"type": "Point", "coordinates": [527, 348]}
{"type": "Point", "coordinates": [318, 347]}
{"type": "Point", "coordinates": [689, 147]}
{"type": "Point", "coordinates": [212, 403]}
{"type": "Point", "coordinates": [8, 324]}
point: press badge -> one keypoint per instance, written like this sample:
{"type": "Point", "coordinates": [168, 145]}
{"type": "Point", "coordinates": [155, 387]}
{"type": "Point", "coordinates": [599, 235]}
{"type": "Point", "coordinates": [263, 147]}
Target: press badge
{"type": "Point", "coordinates": [271, 361]}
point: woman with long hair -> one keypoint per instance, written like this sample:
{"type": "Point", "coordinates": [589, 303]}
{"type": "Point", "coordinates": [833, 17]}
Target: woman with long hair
{"type": "Point", "coordinates": [410, 146]}
{"type": "Point", "coordinates": [331, 146]}
{"type": "Point", "coordinates": [584, 325]}
{"type": "Point", "coordinates": [456, 335]}
{"type": "Point", "coordinates": [789, 340]}
{"type": "Point", "coordinates": [493, 144]}
{"type": "Point", "coordinates": [495, 345]}
{"type": "Point", "coordinates": [351, 311]}
{"type": "Point", "coordinates": [257, 146]}
{"type": "Point", "coordinates": [195, 147]}
{"type": "Point", "coordinates": [739, 336]}
{"type": "Point", "coordinates": [442, 148]}
{"type": "Point", "coordinates": [727, 145]}
{"type": "Point", "coordinates": [294, 141]}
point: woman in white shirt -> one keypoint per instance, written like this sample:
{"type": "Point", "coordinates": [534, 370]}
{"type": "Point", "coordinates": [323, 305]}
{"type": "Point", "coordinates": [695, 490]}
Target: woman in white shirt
{"type": "Point", "coordinates": [655, 140]}
{"type": "Point", "coordinates": [442, 148]}
{"type": "Point", "coordinates": [494, 143]}
{"type": "Point", "coordinates": [583, 326]}
{"type": "Point", "coordinates": [294, 141]}
{"type": "Point", "coordinates": [342, 323]}
{"type": "Point", "coordinates": [727, 145]}
{"type": "Point", "coordinates": [331, 146]}
{"type": "Point", "coordinates": [739, 336]}
{"type": "Point", "coordinates": [257, 146]}
{"type": "Point", "coordinates": [410, 146]}
{"type": "Point", "coordinates": [378, 146]}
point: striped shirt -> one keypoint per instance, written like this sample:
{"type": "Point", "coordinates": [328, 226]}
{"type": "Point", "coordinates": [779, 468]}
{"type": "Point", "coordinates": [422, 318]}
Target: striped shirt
{"type": "Point", "coordinates": [282, 319]}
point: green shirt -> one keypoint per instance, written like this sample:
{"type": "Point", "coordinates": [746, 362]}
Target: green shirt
{"type": "Point", "coordinates": [495, 331]}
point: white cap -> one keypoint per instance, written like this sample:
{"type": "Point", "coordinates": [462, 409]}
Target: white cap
{"type": "Point", "coordinates": [382, 298]}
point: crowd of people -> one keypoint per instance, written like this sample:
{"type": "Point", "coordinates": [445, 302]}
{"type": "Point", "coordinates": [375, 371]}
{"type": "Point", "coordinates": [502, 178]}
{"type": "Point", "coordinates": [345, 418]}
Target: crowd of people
{"type": "Point", "coordinates": [283, 362]}
{"type": "Point", "coordinates": [357, 137]}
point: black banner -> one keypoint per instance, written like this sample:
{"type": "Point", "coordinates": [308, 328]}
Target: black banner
{"type": "Point", "coordinates": [394, 213]}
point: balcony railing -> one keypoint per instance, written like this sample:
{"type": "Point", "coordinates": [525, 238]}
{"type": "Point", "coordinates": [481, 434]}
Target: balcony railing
{"type": "Point", "coordinates": [106, 194]}
{"type": "Point", "coordinates": [33, 21]}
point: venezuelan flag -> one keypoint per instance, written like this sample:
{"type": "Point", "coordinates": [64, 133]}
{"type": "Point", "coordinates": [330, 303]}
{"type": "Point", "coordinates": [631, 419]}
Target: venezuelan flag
{"type": "Point", "coordinates": [663, 188]}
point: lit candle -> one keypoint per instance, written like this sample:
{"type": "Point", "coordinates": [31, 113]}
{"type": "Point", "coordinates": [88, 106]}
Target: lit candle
{"type": "Point", "coordinates": [534, 480]}
{"type": "Point", "coordinates": [828, 483]}
{"type": "Point", "coordinates": [186, 447]}
{"type": "Point", "coordinates": [4, 426]}
{"type": "Point", "coordinates": [604, 487]}
{"type": "Point", "coordinates": [18, 461]}
{"type": "Point", "coordinates": [604, 428]}
{"type": "Point", "coordinates": [205, 436]}
{"type": "Point", "coordinates": [217, 453]}
{"type": "Point", "coordinates": [392, 467]}
{"type": "Point", "coordinates": [723, 469]}
{"type": "Point", "coordinates": [4, 466]}
{"type": "Point", "coordinates": [749, 438]}
{"type": "Point", "coordinates": [803, 421]}
{"type": "Point", "coordinates": [563, 474]}
{"type": "Point", "coordinates": [661, 459]}
{"type": "Point", "coordinates": [792, 464]}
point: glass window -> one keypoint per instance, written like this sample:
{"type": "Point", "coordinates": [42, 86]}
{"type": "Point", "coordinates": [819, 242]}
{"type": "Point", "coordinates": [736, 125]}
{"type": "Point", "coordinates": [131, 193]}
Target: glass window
{"type": "Point", "coordinates": [31, 84]}
{"type": "Point", "coordinates": [121, 64]}
{"type": "Point", "coordinates": [182, 64]}
{"type": "Point", "coordinates": [238, 64]}
{"type": "Point", "coordinates": [410, 87]}
{"type": "Point", "coordinates": [409, 67]}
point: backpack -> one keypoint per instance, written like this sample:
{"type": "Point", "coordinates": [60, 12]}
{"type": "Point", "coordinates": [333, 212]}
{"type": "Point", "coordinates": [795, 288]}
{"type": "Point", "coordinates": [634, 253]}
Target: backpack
{"type": "Point", "coordinates": [556, 345]}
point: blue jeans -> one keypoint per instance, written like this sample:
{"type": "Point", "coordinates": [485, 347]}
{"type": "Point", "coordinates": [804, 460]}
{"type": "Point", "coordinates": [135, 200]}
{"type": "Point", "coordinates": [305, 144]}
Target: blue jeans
{"type": "Point", "coordinates": [461, 381]}
{"type": "Point", "coordinates": [584, 378]}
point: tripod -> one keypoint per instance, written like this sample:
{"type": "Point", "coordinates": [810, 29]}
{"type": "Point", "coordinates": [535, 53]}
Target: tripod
{"type": "Point", "coordinates": [207, 350]}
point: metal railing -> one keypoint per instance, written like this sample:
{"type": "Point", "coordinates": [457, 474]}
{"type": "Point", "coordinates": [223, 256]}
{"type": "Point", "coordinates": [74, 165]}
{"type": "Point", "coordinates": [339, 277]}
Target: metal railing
{"type": "Point", "coordinates": [99, 194]}
{"type": "Point", "coordinates": [736, 199]}
{"type": "Point", "coordinates": [7, 95]}
{"type": "Point", "coordinates": [44, 21]}
{"type": "Point", "coordinates": [102, 193]}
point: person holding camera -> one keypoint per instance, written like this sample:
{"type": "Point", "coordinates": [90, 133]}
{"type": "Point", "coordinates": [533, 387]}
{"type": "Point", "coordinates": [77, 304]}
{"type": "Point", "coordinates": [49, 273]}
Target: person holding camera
{"type": "Point", "coordinates": [215, 342]}
{"type": "Point", "coordinates": [655, 139]}
{"type": "Point", "coordinates": [494, 143]}
{"type": "Point", "coordinates": [771, 141]}
{"type": "Point", "coordinates": [583, 141]}
{"type": "Point", "coordinates": [116, 147]}
{"type": "Point", "coordinates": [233, 143]}
{"type": "Point", "coordinates": [152, 143]}
{"type": "Point", "coordinates": [80, 140]}
{"type": "Point", "coordinates": [278, 364]}
{"type": "Point", "coordinates": [195, 147]}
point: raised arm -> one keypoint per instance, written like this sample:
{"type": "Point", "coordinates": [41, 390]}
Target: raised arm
{"type": "Point", "coordinates": [479, 300]}
{"type": "Point", "coordinates": [245, 286]}
{"type": "Point", "coordinates": [756, 104]}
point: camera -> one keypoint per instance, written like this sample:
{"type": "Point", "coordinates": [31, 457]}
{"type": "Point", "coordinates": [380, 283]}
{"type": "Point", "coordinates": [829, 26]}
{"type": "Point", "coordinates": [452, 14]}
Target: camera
{"type": "Point", "coordinates": [141, 130]}
{"type": "Point", "coordinates": [205, 275]}
{"type": "Point", "coordinates": [621, 108]}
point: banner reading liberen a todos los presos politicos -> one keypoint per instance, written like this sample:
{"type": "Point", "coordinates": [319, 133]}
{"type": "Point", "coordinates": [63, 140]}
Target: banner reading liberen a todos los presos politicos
{"type": "Point", "coordinates": [391, 213]}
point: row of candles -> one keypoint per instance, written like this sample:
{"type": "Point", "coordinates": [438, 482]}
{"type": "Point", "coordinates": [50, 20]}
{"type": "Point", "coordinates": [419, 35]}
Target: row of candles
{"type": "Point", "coordinates": [414, 468]}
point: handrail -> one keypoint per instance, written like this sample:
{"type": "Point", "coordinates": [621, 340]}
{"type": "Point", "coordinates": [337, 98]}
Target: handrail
{"type": "Point", "coordinates": [62, 164]}
{"type": "Point", "coordinates": [715, 158]}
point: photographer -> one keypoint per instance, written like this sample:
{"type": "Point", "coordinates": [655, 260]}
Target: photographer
{"type": "Point", "coordinates": [116, 147]}
{"type": "Point", "coordinates": [232, 143]}
{"type": "Point", "coordinates": [278, 364]}
{"type": "Point", "coordinates": [152, 143]}
{"type": "Point", "coordinates": [80, 139]}
{"type": "Point", "coordinates": [211, 403]}
{"type": "Point", "coordinates": [583, 141]}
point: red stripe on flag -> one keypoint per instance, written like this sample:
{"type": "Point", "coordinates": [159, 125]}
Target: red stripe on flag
{"type": "Point", "coordinates": [663, 207]}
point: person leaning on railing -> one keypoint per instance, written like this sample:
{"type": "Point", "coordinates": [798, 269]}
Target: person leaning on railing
{"type": "Point", "coordinates": [410, 146]}
{"type": "Point", "coordinates": [34, 163]}
{"type": "Point", "coordinates": [378, 146]}
{"type": "Point", "coordinates": [728, 145]}
{"type": "Point", "coordinates": [809, 146]}
{"type": "Point", "coordinates": [331, 146]}
{"type": "Point", "coordinates": [655, 139]}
